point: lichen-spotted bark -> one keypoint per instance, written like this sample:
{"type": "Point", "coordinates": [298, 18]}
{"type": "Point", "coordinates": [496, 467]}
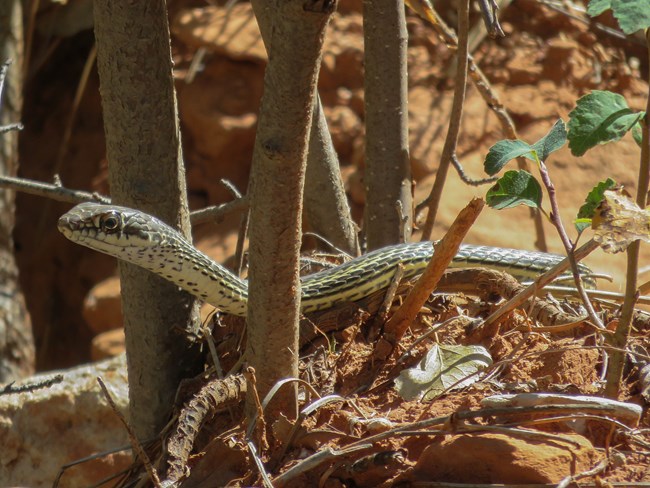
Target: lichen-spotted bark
{"type": "Point", "coordinates": [276, 187]}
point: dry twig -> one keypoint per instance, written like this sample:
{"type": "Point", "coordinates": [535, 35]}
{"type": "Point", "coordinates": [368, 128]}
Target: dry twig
{"type": "Point", "coordinates": [57, 192]}
{"type": "Point", "coordinates": [539, 283]}
{"type": "Point", "coordinates": [446, 249]}
{"type": "Point", "coordinates": [29, 387]}
{"type": "Point", "coordinates": [135, 443]}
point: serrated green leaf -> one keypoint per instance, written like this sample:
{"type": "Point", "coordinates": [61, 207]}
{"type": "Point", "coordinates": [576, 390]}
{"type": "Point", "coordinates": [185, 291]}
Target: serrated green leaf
{"type": "Point", "coordinates": [597, 7]}
{"type": "Point", "coordinates": [552, 141]}
{"type": "Point", "coordinates": [442, 368]}
{"type": "Point", "coordinates": [598, 118]}
{"type": "Point", "coordinates": [594, 197]}
{"type": "Point", "coordinates": [504, 151]}
{"type": "Point", "coordinates": [515, 188]}
{"type": "Point", "coordinates": [632, 15]}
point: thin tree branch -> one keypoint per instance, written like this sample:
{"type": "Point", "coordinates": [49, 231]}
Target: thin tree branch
{"type": "Point", "coordinates": [449, 149]}
{"type": "Point", "coordinates": [32, 386]}
{"type": "Point", "coordinates": [569, 247]}
{"type": "Point", "coordinates": [425, 9]}
{"type": "Point", "coordinates": [539, 283]}
{"type": "Point", "coordinates": [216, 213]}
{"type": "Point", "coordinates": [489, 11]}
{"type": "Point", "coordinates": [51, 190]}
{"type": "Point", "coordinates": [326, 204]}
{"type": "Point", "coordinates": [446, 249]}
{"type": "Point", "coordinates": [466, 179]}
{"type": "Point", "coordinates": [62, 194]}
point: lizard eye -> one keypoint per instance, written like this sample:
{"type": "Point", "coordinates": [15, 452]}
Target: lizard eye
{"type": "Point", "coordinates": [110, 222]}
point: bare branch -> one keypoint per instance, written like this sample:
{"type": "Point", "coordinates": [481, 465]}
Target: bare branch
{"type": "Point", "coordinates": [29, 387]}
{"type": "Point", "coordinates": [55, 191]}
{"type": "Point", "coordinates": [449, 149]}
{"type": "Point", "coordinates": [51, 190]}
{"type": "Point", "coordinates": [8, 128]}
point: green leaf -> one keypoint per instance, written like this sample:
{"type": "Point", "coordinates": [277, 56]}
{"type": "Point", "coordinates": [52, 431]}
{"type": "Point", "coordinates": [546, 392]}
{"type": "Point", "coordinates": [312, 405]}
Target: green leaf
{"type": "Point", "coordinates": [597, 7]}
{"type": "Point", "coordinates": [504, 151]}
{"type": "Point", "coordinates": [552, 141]}
{"type": "Point", "coordinates": [598, 118]}
{"type": "Point", "coordinates": [632, 15]}
{"type": "Point", "coordinates": [582, 224]}
{"type": "Point", "coordinates": [637, 134]}
{"type": "Point", "coordinates": [442, 368]}
{"type": "Point", "coordinates": [595, 196]}
{"type": "Point", "coordinates": [515, 188]}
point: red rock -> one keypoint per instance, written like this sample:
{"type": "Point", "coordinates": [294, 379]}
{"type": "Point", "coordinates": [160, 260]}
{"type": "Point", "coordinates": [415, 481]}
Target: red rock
{"type": "Point", "coordinates": [44, 429]}
{"type": "Point", "coordinates": [232, 32]}
{"type": "Point", "coordinates": [107, 345]}
{"type": "Point", "coordinates": [102, 308]}
{"type": "Point", "coordinates": [498, 458]}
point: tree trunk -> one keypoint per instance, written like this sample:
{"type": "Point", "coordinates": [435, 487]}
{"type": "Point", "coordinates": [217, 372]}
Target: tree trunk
{"type": "Point", "coordinates": [326, 204]}
{"type": "Point", "coordinates": [388, 215]}
{"type": "Point", "coordinates": [146, 171]}
{"type": "Point", "coordinates": [276, 187]}
{"type": "Point", "coordinates": [16, 340]}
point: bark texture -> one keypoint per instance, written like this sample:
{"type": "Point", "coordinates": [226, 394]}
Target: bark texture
{"type": "Point", "coordinates": [277, 178]}
{"type": "Point", "coordinates": [326, 204]}
{"type": "Point", "coordinates": [146, 171]}
{"type": "Point", "coordinates": [16, 341]}
{"type": "Point", "coordinates": [388, 167]}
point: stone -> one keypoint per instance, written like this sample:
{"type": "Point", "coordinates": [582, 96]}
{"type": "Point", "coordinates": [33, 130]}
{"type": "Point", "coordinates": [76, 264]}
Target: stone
{"type": "Point", "coordinates": [102, 308]}
{"type": "Point", "coordinates": [108, 344]}
{"type": "Point", "coordinates": [499, 458]}
{"type": "Point", "coordinates": [44, 429]}
{"type": "Point", "coordinates": [232, 32]}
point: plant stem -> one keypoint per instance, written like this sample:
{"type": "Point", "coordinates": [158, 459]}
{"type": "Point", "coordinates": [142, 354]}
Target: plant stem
{"type": "Point", "coordinates": [449, 149]}
{"type": "Point", "coordinates": [566, 242]}
{"type": "Point", "coordinates": [620, 338]}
